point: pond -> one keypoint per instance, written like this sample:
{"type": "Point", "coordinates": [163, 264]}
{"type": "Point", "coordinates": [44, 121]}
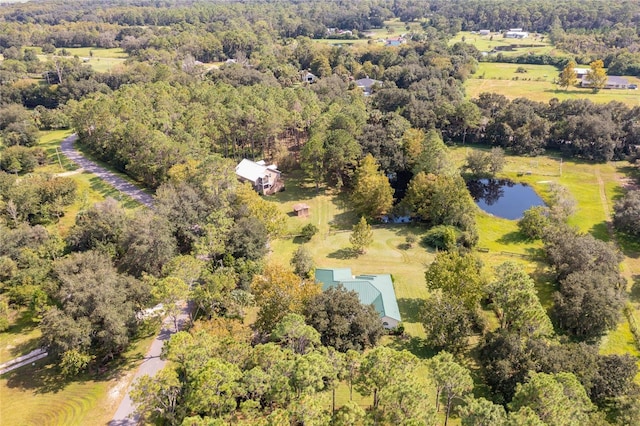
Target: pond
{"type": "Point", "coordinates": [503, 198]}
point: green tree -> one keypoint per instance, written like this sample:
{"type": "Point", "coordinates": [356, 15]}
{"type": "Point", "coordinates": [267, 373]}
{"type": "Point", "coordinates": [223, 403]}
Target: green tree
{"type": "Point", "coordinates": [514, 299]}
{"type": "Point", "coordinates": [361, 236]}
{"type": "Point", "coordinates": [278, 292]}
{"type": "Point", "coordinates": [171, 292]}
{"type": "Point", "coordinates": [215, 388]}
{"type": "Point", "coordinates": [157, 398]}
{"type": "Point", "coordinates": [372, 195]}
{"type": "Point", "coordinates": [447, 322]}
{"type": "Point", "coordinates": [343, 322]}
{"type": "Point", "coordinates": [292, 332]}
{"type": "Point", "coordinates": [627, 213]}
{"type": "Point", "coordinates": [452, 381]}
{"type": "Point", "coordinates": [568, 76]}
{"type": "Point", "coordinates": [482, 412]}
{"type": "Point", "coordinates": [597, 76]}
{"type": "Point", "coordinates": [302, 262]}
{"type": "Point", "coordinates": [313, 155]}
{"type": "Point", "coordinates": [557, 399]}
{"type": "Point", "coordinates": [457, 275]}
{"type": "Point", "coordinates": [534, 222]}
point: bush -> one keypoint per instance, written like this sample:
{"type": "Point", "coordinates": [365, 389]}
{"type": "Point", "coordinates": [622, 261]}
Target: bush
{"type": "Point", "coordinates": [308, 231]}
{"type": "Point", "coordinates": [442, 237]}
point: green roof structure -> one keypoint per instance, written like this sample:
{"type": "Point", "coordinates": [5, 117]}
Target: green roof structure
{"type": "Point", "coordinates": [372, 289]}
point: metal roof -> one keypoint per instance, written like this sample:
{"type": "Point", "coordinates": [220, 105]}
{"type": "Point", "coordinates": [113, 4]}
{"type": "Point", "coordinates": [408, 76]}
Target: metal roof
{"type": "Point", "coordinates": [372, 289]}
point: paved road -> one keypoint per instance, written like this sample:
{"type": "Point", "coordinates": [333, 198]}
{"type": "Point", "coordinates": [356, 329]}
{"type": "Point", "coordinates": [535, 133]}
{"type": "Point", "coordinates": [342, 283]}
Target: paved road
{"type": "Point", "coordinates": [152, 363]}
{"type": "Point", "coordinates": [150, 366]}
{"type": "Point", "coordinates": [116, 181]}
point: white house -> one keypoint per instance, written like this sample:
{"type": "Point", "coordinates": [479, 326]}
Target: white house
{"type": "Point", "coordinates": [264, 179]}
{"type": "Point", "coordinates": [516, 34]}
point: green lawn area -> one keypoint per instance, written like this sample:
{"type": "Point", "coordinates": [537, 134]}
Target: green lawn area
{"type": "Point", "coordinates": [487, 43]}
{"type": "Point", "coordinates": [38, 395]}
{"type": "Point", "coordinates": [537, 84]}
{"type": "Point", "coordinates": [20, 338]}
{"type": "Point", "coordinates": [91, 189]}
{"type": "Point", "coordinates": [100, 59]}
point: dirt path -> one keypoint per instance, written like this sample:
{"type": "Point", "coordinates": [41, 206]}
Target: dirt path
{"type": "Point", "coordinates": [117, 182]}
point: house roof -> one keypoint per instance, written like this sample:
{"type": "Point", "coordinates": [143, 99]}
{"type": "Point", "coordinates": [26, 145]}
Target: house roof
{"type": "Point", "coordinates": [367, 82]}
{"type": "Point", "coordinates": [612, 80]}
{"type": "Point", "coordinates": [372, 289]}
{"type": "Point", "coordinates": [300, 206]}
{"type": "Point", "coordinates": [252, 171]}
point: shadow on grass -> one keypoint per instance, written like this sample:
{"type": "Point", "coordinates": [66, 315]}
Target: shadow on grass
{"type": "Point", "coordinates": [601, 231]}
{"type": "Point", "coordinates": [106, 190]}
{"type": "Point", "coordinates": [634, 295]}
{"type": "Point", "coordinates": [23, 325]}
{"type": "Point", "coordinates": [343, 253]}
{"type": "Point", "coordinates": [415, 345]}
{"type": "Point", "coordinates": [410, 309]}
{"type": "Point", "coordinates": [514, 237]}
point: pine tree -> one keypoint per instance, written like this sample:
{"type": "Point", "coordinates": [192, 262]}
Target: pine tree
{"type": "Point", "coordinates": [362, 236]}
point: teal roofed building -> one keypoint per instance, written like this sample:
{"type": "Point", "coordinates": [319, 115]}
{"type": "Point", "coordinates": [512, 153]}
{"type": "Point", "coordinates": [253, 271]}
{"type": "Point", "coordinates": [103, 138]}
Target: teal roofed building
{"type": "Point", "coordinates": [372, 289]}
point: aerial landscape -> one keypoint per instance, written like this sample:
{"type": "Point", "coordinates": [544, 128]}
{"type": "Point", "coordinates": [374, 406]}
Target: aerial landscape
{"type": "Point", "coordinates": [323, 212]}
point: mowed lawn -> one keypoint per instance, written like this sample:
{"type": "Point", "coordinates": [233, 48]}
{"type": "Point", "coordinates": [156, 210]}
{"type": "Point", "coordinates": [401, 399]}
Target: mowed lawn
{"type": "Point", "coordinates": [39, 395]}
{"type": "Point", "coordinates": [538, 84]}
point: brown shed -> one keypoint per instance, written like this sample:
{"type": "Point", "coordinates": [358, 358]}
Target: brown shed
{"type": "Point", "coordinates": [301, 209]}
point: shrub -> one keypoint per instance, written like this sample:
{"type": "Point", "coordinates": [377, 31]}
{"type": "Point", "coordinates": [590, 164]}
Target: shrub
{"type": "Point", "coordinates": [308, 231]}
{"type": "Point", "coordinates": [443, 237]}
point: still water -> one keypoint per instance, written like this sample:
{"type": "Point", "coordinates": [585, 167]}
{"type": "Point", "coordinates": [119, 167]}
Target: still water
{"type": "Point", "coordinates": [503, 198]}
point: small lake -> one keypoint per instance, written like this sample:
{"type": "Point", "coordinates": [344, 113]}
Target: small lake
{"type": "Point", "coordinates": [503, 198]}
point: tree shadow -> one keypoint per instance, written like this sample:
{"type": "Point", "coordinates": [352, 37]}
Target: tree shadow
{"type": "Point", "coordinates": [343, 221]}
{"type": "Point", "coordinates": [514, 237]}
{"type": "Point", "coordinates": [634, 295]}
{"type": "Point", "coordinates": [410, 309]}
{"type": "Point", "coordinates": [413, 344]}
{"type": "Point", "coordinates": [106, 190]}
{"type": "Point", "coordinates": [343, 254]}
{"type": "Point", "coordinates": [601, 231]}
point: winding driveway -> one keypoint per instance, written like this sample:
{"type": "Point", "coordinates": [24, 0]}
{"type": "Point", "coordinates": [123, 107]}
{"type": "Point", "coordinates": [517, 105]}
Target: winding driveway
{"type": "Point", "coordinates": [116, 181]}
{"type": "Point", "coordinates": [151, 364]}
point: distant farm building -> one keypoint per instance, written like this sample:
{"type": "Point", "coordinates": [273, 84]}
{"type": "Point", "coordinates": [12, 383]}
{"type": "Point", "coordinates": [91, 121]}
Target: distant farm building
{"type": "Point", "coordinates": [301, 209]}
{"type": "Point", "coordinates": [484, 32]}
{"type": "Point", "coordinates": [376, 290]}
{"type": "Point", "coordinates": [581, 72]}
{"type": "Point", "coordinates": [395, 41]}
{"type": "Point", "coordinates": [264, 179]}
{"type": "Point", "coordinates": [613, 82]}
{"type": "Point", "coordinates": [512, 33]}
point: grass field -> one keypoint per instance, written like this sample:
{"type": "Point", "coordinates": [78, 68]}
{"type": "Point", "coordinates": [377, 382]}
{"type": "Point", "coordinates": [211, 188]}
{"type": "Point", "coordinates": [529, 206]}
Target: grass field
{"type": "Point", "coordinates": [537, 84]}
{"type": "Point", "coordinates": [496, 40]}
{"type": "Point", "coordinates": [38, 395]}
{"type": "Point", "coordinates": [100, 59]}
{"type": "Point", "coordinates": [500, 237]}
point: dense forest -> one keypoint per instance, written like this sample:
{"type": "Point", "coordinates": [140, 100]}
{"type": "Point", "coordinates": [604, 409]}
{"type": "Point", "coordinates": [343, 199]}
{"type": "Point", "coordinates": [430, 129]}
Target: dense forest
{"type": "Point", "coordinates": [206, 84]}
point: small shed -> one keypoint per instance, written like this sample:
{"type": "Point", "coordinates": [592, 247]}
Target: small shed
{"type": "Point", "coordinates": [301, 209]}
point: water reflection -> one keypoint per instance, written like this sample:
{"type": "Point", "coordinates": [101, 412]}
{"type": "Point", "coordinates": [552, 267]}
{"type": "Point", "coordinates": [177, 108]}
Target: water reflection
{"type": "Point", "coordinates": [503, 198]}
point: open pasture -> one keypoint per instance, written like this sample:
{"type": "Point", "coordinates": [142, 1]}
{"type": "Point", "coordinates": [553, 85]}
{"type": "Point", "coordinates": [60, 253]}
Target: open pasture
{"type": "Point", "coordinates": [538, 84]}
{"type": "Point", "coordinates": [535, 44]}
